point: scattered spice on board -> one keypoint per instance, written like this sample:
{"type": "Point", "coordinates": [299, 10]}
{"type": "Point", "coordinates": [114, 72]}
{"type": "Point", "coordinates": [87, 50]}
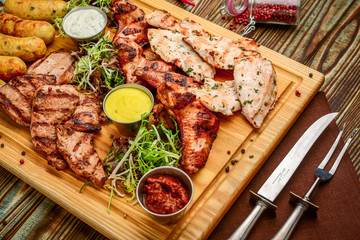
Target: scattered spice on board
{"type": "Point", "coordinates": [22, 161]}
{"type": "Point", "coordinates": [49, 89]}
{"type": "Point", "coordinates": [2, 145]}
{"type": "Point", "coordinates": [251, 139]}
{"type": "Point", "coordinates": [66, 119]}
{"type": "Point", "coordinates": [234, 161]}
{"type": "Point", "coordinates": [23, 153]}
{"type": "Point", "coordinates": [242, 151]}
{"type": "Point", "coordinates": [297, 93]}
{"type": "Point", "coordinates": [228, 152]}
{"type": "Point", "coordinates": [227, 169]}
{"type": "Point", "coordinates": [310, 75]}
{"type": "Point", "coordinates": [251, 156]}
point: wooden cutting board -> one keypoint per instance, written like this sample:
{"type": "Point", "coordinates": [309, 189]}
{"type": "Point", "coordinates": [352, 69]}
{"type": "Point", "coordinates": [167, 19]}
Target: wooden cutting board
{"type": "Point", "coordinates": [215, 189]}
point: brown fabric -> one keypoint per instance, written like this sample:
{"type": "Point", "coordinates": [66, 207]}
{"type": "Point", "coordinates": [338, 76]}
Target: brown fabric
{"type": "Point", "coordinates": [338, 216]}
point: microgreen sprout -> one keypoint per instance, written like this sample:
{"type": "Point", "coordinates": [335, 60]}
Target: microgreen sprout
{"type": "Point", "coordinates": [152, 147]}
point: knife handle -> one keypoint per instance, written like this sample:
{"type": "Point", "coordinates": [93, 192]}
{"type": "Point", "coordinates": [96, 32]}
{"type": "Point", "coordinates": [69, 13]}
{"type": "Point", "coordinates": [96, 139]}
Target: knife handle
{"type": "Point", "coordinates": [243, 230]}
{"type": "Point", "coordinates": [302, 205]}
{"type": "Point", "coordinates": [286, 230]}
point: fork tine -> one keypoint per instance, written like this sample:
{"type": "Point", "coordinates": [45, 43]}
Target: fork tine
{"type": "Point", "coordinates": [332, 149]}
{"type": "Point", "coordinates": [338, 159]}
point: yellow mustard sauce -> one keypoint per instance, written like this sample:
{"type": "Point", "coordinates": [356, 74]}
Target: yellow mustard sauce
{"type": "Point", "coordinates": [127, 104]}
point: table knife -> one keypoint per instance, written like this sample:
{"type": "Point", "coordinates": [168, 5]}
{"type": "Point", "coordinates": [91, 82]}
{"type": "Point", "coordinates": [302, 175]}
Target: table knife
{"type": "Point", "coordinates": [281, 175]}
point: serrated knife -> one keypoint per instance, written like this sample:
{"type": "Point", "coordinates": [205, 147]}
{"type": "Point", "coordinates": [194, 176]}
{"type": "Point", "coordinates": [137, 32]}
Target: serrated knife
{"type": "Point", "coordinates": [281, 175]}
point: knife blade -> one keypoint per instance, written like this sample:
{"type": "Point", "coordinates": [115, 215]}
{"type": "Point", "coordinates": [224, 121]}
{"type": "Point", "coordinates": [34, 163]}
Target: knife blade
{"type": "Point", "coordinates": [281, 175]}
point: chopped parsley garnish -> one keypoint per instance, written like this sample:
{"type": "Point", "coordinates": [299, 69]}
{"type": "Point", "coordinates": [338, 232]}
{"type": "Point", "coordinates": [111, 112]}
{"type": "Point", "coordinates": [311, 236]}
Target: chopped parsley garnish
{"type": "Point", "coordinates": [247, 102]}
{"type": "Point", "coordinates": [189, 70]}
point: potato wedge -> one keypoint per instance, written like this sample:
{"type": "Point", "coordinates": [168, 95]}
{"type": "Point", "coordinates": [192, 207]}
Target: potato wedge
{"type": "Point", "coordinates": [36, 10]}
{"type": "Point", "coordinates": [27, 48]}
{"type": "Point", "coordinates": [15, 26]}
{"type": "Point", "coordinates": [11, 67]}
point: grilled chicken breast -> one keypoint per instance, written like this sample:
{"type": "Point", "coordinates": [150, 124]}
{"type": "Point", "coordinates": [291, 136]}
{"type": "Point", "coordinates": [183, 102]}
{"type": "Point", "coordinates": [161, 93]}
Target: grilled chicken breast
{"type": "Point", "coordinates": [218, 96]}
{"type": "Point", "coordinates": [78, 151]}
{"type": "Point", "coordinates": [156, 78]}
{"type": "Point", "coordinates": [86, 115]}
{"type": "Point", "coordinates": [59, 64]}
{"type": "Point", "coordinates": [51, 106]}
{"type": "Point", "coordinates": [255, 80]}
{"type": "Point", "coordinates": [197, 125]}
{"type": "Point", "coordinates": [171, 48]}
{"type": "Point", "coordinates": [17, 95]}
{"type": "Point", "coordinates": [131, 58]}
{"type": "Point", "coordinates": [222, 52]}
{"type": "Point", "coordinates": [162, 19]}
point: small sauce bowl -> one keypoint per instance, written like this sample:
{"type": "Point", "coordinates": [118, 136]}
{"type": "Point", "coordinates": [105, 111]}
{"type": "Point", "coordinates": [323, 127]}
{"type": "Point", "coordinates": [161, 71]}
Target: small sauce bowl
{"type": "Point", "coordinates": [135, 98]}
{"type": "Point", "coordinates": [165, 171]}
{"type": "Point", "coordinates": [85, 24]}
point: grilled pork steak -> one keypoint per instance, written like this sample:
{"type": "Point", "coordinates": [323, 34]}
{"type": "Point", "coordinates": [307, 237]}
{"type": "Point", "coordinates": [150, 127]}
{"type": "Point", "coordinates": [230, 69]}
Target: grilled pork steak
{"type": "Point", "coordinates": [78, 151]}
{"type": "Point", "coordinates": [59, 63]}
{"type": "Point", "coordinates": [16, 96]}
{"type": "Point", "coordinates": [51, 106]}
{"type": "Point", "coordinates": [86, 115]}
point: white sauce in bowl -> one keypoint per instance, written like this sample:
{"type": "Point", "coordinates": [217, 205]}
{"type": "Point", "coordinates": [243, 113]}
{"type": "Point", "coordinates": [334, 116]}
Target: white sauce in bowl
{"type": "Point", "coordinates": [84, 23]}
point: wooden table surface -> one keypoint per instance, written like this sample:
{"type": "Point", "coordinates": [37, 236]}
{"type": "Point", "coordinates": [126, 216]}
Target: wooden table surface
{"type": "Point", "coordinates": [327, 39]}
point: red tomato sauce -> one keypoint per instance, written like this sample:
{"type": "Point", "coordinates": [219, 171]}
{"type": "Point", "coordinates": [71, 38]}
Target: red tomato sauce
{"type": "Point", "coordinates": [164, 194]}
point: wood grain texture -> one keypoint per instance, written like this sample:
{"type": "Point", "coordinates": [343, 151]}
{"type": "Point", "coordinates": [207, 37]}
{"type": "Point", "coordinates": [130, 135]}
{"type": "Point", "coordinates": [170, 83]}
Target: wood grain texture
{"type": "Point", "coordinates": [315, 42]}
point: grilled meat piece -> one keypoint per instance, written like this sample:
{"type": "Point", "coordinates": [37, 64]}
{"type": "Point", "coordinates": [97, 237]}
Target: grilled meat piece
{"type": "Point", "coordinates": [156, 78]}
{"type": "Point", "coordinates": [171, 47]}
{"type": "Point", "coordinates": [135, 31]}
{"type": "Point", "coordinates": [162, 19]}
{"type": "Point", "coordinates": [125, 13]}
{"type": "Point", "coordinates": [131, 23]}
{"type": "Point", "coordinates": [255, 80]}
{"type": "Point", "coordinates": [150, 55]}
{"type": "Point", "coordinates": [221, 52]}
{"type": "Point", "coordinates": [197, 125]}
{"type": "Point", "coordinates": [51, 106]}
{"type": "Point", "coordinates": [78, 151]}
{"type": "Point", "coordinates": [86, 115]}
{"type": "Point", "coordinates": [59, 63]}
{"type": "Point", "coordinates": [218, 96]}
{"type": "Point", "coordinates": [160, 115]}
{"type": "Point", "coordinates": [17, 95]}
{"type": "Point", "coordinates": [130, 55]}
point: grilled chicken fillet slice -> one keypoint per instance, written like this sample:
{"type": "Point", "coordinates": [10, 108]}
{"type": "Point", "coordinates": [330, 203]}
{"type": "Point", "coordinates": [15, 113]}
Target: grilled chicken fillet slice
{"type": "Point", "coordinates": [162, 19]}
{"type": "Point", "coordinates": [172, 49]}
{"type": "Point", "coordinates": [197, 125]}
{"type": "Point", "coordinates": [51, 105]}
{"type": "Point", "coordinates": [156, 78]}
{"type": "Point", "coordinates": [59, 63]}
{"type": "Point", "coordinates": [221, 52]}
{"type": "Point", "coordinates": [218, 96]}
{"type": "Point", "coordinates": [17, 95]}
{"type": "Point", "coordinates": [255, 80]}
{"type": "Point", "coordinates": [78, 151]}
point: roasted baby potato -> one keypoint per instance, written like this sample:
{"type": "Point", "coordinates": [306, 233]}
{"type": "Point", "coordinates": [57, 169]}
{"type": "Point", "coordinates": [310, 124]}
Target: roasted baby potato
{"type": "Point", "coordinates": [27, 48]}
{"type": "Point", "coordinates": [11, 67]}
{"type": "Point", "coordinates": [36, 10]}
{"type": "Point", "coordinates": [14, 26]}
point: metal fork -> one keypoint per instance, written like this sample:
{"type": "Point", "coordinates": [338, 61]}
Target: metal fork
{"type": "Point", "coordinates": [303, 203]}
